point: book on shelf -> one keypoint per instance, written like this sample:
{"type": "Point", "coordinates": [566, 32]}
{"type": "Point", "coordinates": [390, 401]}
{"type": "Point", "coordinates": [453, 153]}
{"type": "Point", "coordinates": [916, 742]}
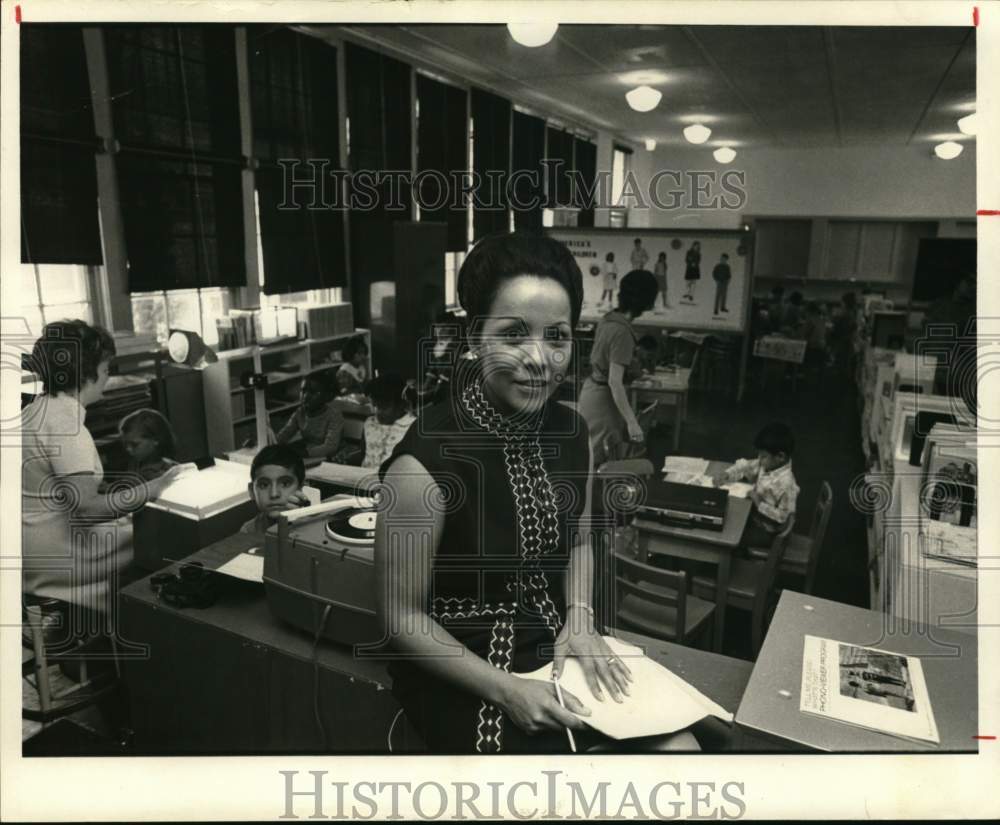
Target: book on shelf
{"type": "Point", "coordinates": [867, 687]}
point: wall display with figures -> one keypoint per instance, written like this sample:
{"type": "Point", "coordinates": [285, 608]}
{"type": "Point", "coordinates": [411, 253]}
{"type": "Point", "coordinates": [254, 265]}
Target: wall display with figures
{"type": "Point", "coordinates": [703, 275]}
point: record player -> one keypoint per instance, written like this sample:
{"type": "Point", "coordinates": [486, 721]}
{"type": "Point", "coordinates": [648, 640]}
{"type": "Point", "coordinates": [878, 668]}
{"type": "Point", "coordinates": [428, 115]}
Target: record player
{"type": "Point", "coordinates": [319, 570]}
{"type": "Point", "coordinates": [684, 505]}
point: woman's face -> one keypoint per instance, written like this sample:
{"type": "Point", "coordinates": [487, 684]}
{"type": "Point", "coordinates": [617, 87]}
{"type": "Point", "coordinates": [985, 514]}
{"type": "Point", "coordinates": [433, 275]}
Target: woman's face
{"type": "Point", "coordinates": [526, 343]}
{"type": "Point", "coordinates": [93, 391]}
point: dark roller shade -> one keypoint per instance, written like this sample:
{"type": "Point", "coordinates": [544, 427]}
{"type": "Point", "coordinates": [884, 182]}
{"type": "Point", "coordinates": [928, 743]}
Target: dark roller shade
{"type": "Point", "coordinates": [176, 116]}
{"type": "Point", "coordinates": [490, 153]}
{"type": "Point", "coordinates": [527, 152]}
{"type": "Point", "coordinates": [585, 154]}
{"type": "Point", "coordinates": [443, 149]}
{"type": "Point", "coordinates": [59, 222]}
{"type": "Point", "coordinates": [560, 179]}
{"type": "Point", "coordinates": [293, 92]}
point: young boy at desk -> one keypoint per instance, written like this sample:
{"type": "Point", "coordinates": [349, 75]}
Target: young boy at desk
{"type": "Point", "coordinates": [774, 488]}
{"type": "Point", "coordinates": [386, 428]}
{"type": "Point", "coordinates": [276, 478]}
{"type": "Point", "coordinates": [317, 421]}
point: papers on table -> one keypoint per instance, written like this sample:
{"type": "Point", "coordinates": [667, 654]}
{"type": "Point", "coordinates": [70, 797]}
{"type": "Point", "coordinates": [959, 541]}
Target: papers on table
{"type": "Point", "coordinates": [248, 566]}
{"type": "Point", "coordinates": [685, 464]}
{"type": "Point", "coordinates": [866, 687]}
{"type": "Point", "coordinates": [660, 701]}
{"type": "Point", "coordinates": [689, 478]}
{"type": "Point", "coordinates": [737, 489]}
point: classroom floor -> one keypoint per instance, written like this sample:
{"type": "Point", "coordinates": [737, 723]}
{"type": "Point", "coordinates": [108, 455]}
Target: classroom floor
{"type": "Point", "coordinates": [824, 417]}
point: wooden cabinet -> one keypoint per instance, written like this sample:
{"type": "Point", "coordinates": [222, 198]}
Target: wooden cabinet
{"type": "Point", "coordinates": [880, 251]}
{"type": "Point", "coordinates": [781, 248]}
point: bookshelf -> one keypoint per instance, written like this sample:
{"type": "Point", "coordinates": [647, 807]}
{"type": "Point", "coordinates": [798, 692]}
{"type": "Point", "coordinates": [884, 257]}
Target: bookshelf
{"type": "Point", "coordinates": [230, 412]}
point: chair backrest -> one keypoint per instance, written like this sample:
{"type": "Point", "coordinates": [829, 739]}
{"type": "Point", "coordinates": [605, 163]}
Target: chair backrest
{"type": "Point", "coordinates": [655, 586]}
{"type": "Point", "coordinates": [817, 530]}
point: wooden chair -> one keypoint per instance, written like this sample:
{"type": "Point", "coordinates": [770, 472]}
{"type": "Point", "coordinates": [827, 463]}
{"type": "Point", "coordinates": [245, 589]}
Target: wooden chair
{"type": "Point", "coordinates": [802, 552]}
{"type": "Point", "coordinates": [51, 642]}
{"type": "Point", "coordinates": [656, 602]}
{"type": "Point", "coordinates": [750, 584]}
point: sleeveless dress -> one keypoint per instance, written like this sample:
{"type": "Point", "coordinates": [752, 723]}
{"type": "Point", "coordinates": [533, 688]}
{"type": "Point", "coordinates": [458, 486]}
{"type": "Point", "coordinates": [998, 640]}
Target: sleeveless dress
{"type": "Point", "coordinates": [513, 492]}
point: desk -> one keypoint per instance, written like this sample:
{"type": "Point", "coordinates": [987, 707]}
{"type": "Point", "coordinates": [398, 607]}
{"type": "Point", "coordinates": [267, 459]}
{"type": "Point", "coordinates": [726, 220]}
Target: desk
{"type": "Point", "coordinates": [696, 544]}
{"type": "Point", "coordinates": [232, 679]}
{"type": "Point", "coordinates": [667, 387]}
{"type": "Point", "coordinates": [949, 662]}
{"type": "Point", "coordinates": [332, 478]}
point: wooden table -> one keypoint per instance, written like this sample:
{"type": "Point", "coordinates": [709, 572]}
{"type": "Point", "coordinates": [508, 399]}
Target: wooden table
{"type": "Point", "coordinates": [667, 387]}
{"type": "Point", "coordinates": [770, 706]}
{"type": "Point", "coordinates": [233, 679]}
{"type": "Point", "coordinates": [697, 544]}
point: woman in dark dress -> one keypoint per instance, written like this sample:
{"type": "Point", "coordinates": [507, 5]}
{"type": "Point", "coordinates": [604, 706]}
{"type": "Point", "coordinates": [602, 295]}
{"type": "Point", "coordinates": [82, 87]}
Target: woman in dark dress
{"type": "Point", "coordinates": [483, 553]}
{"type": "Point", "coordinates": [692, 271]}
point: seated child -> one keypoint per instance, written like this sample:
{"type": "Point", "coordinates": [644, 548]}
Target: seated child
{"type": "Point", "coordinates": [774, 489]}
{"type": "Point", "coordinates": [353, 372]}
{"type": "Point", "coordinates": [391, 420]}
{"type": "Point", "coordinates": [317, 421]}
{"type": "Point", "coordinates": [276, 478]}
{"type": "Point", "coordinates": [148, 441]}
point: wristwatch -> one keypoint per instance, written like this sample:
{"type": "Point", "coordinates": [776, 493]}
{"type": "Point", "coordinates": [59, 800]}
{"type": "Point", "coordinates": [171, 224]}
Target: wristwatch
{"type": "Point", "coordinates": [582, 605]}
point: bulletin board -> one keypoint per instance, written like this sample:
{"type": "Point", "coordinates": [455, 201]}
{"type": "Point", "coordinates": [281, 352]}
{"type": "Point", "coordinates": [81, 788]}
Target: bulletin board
{"type": "Point", "coordinates": [691, 290]}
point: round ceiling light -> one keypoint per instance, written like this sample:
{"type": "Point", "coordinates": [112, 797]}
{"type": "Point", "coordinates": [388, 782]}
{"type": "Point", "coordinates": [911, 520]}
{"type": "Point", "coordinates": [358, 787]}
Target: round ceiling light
{"type": "Point", "coordinates": [644, 98]}
{"type": "Point", "coordinates": [967, 125]}
{"type": "Point", "coordinates": [724, 154]}
{"type": "Point", "coordinates": [949, 150]}
{"type": "Point", "coordinates": [697, 133]}
{"type": "Point", "coordinates": [532, 35]}
{"type": "Point", "coordinates": [650, 144]}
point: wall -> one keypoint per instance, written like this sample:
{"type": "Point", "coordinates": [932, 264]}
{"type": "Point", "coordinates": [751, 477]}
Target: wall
{"type": "Point", "coordinates": [869, 181]}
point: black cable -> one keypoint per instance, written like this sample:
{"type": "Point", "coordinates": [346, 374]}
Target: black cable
{"type": "Point", "coordinates": [315, 661]}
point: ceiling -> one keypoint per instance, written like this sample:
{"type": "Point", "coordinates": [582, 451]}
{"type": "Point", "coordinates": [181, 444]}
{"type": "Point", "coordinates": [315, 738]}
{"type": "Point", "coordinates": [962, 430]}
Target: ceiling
{"type": "Point", "coordinates": [789, 86]}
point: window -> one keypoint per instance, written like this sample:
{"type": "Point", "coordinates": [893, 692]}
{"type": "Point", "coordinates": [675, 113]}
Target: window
{"type": "Point", "coordinates": [620, 164]}
{"type": "Point", "coordinates": [53, 292]}
{"type": "Point", "coordinates": [156, 313]}
{"type": "Point", "coordinates": [452, 264]}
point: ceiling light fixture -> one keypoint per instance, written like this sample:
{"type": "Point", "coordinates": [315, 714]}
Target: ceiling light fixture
{"type": "Point", "coordinates": [534, 34]}
{"type": "Point", "coordinates": [967, 124]}
{"type": "Point", "coordinates": [650, 144]}
{"type": "Point", "coordinates": [724, 154]}
{"type": "Point", "coordinates": [949, 150]}
{"type": "Point", "coordinates": [644, 98]}
{"type": "Point", "coordinates": [697, 133]}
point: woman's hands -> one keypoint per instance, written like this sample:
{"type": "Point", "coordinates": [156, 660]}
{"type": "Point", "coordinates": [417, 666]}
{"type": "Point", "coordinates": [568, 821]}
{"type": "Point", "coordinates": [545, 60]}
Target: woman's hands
{"type": "Point", "coordinates": [533, 705]}
{"type": "Point", "coordinates": [601, 665]}
{"type": "Point", "coordinates": [635, 432]}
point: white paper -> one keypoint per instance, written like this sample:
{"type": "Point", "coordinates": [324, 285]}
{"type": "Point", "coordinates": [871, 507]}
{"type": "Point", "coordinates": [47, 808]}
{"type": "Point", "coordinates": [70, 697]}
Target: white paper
{"type": "Point", "coordinates": [660, 701]}
{"type": "Point", "coordinates": [737, 489]}
{"type": "Point", "coordinates": [248, 566]}
{"type": "Point", "coordinates": [867, 687]}
{"type": "Point", "coordinates": [685, 464]}
{"type": "Point", "coordinates": [697, 479]}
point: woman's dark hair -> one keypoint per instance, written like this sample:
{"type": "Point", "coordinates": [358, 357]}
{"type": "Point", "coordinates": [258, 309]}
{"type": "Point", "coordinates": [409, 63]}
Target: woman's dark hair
{"type": "Point", "coordinates": [500, 258]}
{"type": "Point", "coordinates": [353, 347]}
{"type": "Point", "coordinates": [323, 382]}
{"type": "Point", "coordinates": [152, 425]}
{"type": "Point", "coordinates": [68, 353]}
{"type": "Point", "coordinates": [386, 390]}
{"type": "Point", "coordinates": [775, 438]}
{"type": "Point", "coordinates": [637, 292]}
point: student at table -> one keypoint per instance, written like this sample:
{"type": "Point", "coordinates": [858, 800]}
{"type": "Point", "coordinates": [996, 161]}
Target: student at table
{"type": "Point", "coordinates": [603, 400]}
{"type": "Point", "coordinates": [479, 575]}
{"type": "Point", "coordinates": [76, 546]}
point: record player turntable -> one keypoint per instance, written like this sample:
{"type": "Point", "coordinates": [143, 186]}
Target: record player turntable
{"type": "Point", "coordinates": [319, 570]}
